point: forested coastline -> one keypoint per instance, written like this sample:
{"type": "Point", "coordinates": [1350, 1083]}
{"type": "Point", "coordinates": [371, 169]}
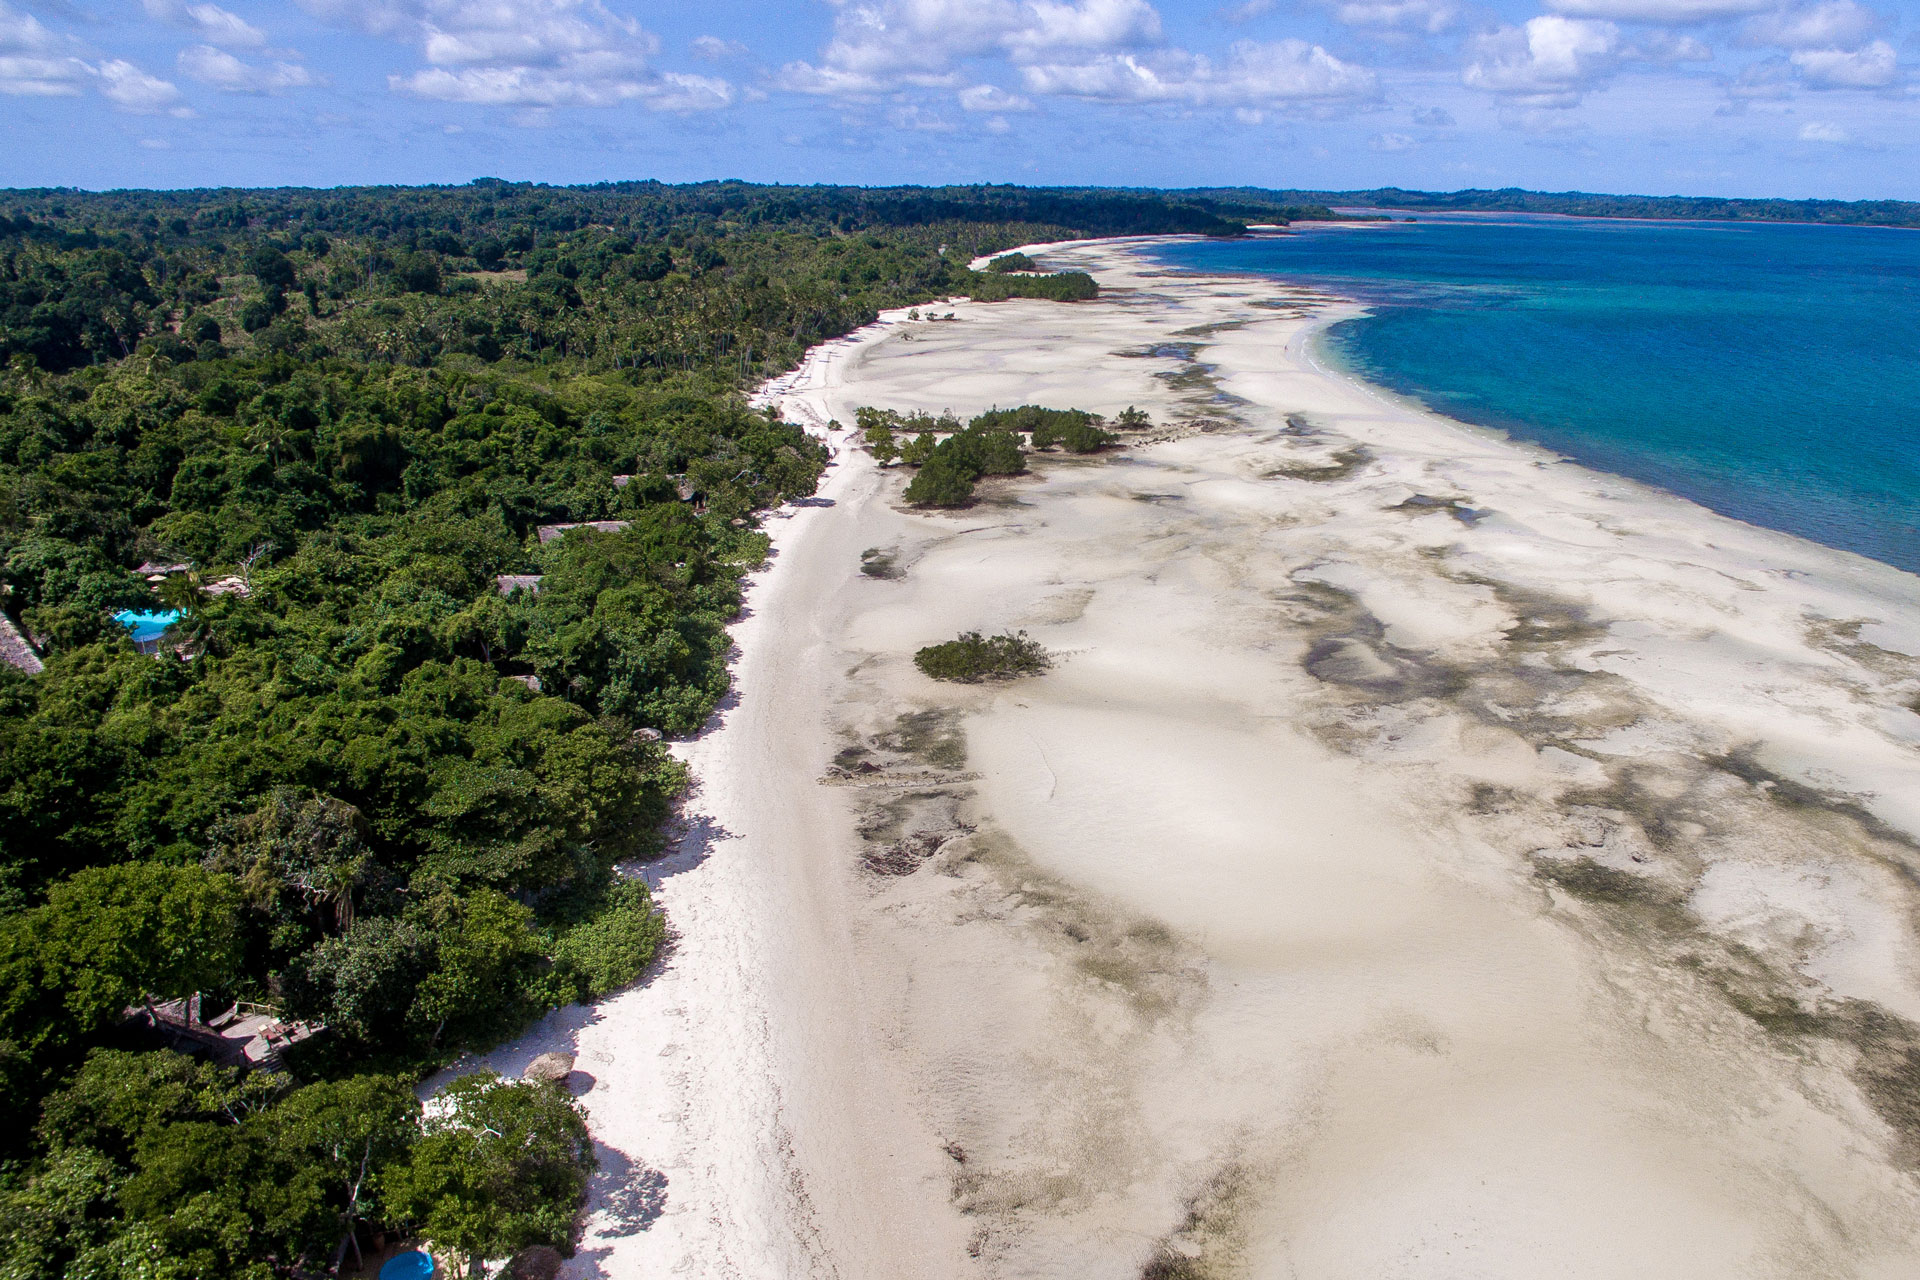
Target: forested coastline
{"type": "Point", "coordinates": [1585, 204]}
{"type": "Point", "coordinates": [448, 494]}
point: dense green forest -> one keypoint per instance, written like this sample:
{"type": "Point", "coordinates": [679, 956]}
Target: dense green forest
{"type": "Point", "coordinates": [1865, 213]}
{"type": "Point", "coordinates": [381, 772]}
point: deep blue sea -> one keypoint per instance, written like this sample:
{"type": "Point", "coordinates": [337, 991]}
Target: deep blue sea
{"type": "Point", "coordinates": [1769, 372]}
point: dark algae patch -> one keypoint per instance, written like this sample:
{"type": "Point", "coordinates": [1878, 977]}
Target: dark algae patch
{"type": "Point", "coordinates": [1342, 465]}
{"type": "Point", "coordinates": [876, 562]}
{"type": "Point", "coordinates": [1206, 1245]}
{"type": "Point", "coordinates": [932, 736]}
{"type": "Point", "coordinates": [1458, 508]}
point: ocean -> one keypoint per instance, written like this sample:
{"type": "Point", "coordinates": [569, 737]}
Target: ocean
{"type": "Point", "coordinates": [1769, 372]}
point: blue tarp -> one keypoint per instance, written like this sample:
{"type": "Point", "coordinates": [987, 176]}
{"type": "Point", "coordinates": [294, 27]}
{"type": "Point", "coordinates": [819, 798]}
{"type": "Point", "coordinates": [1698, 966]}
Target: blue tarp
{"type": "Point", "coordinates": [417, 1265]}
{"type": "Point", "coordinates": [146, 627]}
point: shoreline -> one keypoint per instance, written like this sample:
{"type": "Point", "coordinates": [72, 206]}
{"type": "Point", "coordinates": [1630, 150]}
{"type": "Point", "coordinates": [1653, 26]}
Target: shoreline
{"type": "Point", "coordinates": [1338, 883]}
{"type": "Point", "coordinates": [1711, 490]}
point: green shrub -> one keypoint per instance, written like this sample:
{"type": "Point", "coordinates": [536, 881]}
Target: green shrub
{"type": "Point", "coordinates": [256, 315]}
{"type": "Point", "coordinates": [974, 657]}
{"type": "Point", "coordinates": [994, 286]}
{"type": "Point", "coordinates": [918, 449]}
{"type": "Point", "coordinates": [1084, 437]}
{"type": "Point", "coordinates": [947, 475]}
{"type": "Point", "coordinates": [1034, 418]}
{"type": "Point", "coordinates": [985, 452]}
{"type": "Point", "coordinates": [881, 443]}
{"type": "Point", "coordinates": [1007, 262]}
{"type": "Point", "coordinates": [943, 481]}
{"type": "Point", "coordinates": [612, 948]}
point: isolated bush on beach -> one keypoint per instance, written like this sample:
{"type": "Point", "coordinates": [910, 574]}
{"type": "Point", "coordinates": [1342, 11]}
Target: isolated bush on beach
{"type": "Point", "coordinates": [987, 452]}
{"type": "Point", "coordinates": [1013, 262]}
{"type": "Point", "coordinates": [973, 657]}
{"type": "Point", "coordinates": [918, 449]}
{"type": "Point", "coordinates": [995, 286]}
{"type": "Point", "coordinates": [1033, 417]}
{"type": "Point", "coordinates": [881, 443]}
{"type": "Point", "coordinates": [946, 478]}
{"type": "Point", "coordinates": [1074, 437]}
{"type": "Point", "coordinates": [942, 482]}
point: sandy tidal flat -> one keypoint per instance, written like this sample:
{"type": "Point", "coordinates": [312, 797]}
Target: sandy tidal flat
{"type": "Point", "coordinates": [1426, 857]}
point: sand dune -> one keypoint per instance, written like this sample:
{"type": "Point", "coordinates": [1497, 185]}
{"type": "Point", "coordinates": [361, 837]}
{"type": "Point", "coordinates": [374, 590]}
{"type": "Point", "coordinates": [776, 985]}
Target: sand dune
{"type": "Point", "coordinates": [1426, 858]}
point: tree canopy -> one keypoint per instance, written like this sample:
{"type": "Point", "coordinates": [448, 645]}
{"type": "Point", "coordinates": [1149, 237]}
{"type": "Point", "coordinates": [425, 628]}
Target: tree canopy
{"type": "Point", "coordinates": [453, 490]}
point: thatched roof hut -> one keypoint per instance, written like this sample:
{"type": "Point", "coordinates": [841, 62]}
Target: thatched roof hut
{"type": "Point", "coordinates": [14, 649]}
{"type": "Point", "coordinates": [548, 532]}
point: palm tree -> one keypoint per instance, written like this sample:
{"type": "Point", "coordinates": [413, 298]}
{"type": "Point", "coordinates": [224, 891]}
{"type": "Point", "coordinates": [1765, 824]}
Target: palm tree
{"type": "Point", "coordinates": [271, 437]}
{"type": "Point", "coordinates": [185, 595]}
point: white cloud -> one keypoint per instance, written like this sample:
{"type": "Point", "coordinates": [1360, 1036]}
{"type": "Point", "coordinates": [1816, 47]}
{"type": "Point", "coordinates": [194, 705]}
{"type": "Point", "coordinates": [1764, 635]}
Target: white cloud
{"type": "Point", "coordinates": [1767, 79]}
{"type": "Point", "coordinates": [1667, 12]}
{"type": "Point", "coordinates": [991, 97]}
{"type": "Point", "coordinates": [208, 21]}
{"type": "Point", "coordinates": [537, 54]}
{"type": "Point", "coordinates": [714, 49]}
{"type": "Point", "coordinates": [1434, 117]}
{"type": "Point", "coordinates": [576, 84]}
{"type": "Point", "coordinates": [1816, 131]}
{"type": "Point", "coordinates": [682, 93]}
{"type": "Point", "coordinates": [1391, 142]}
{"type": "Point", "coordinates": [913, 118]}
{"type": "Point", "coordinates": [131, 89]}
{"type": "Point", "coordinates": [33, 60]}
{"type": "Point", "coordinates": [41, 77]}
{"type": "Point", "coordinates": [1873, 67]}
{"type": "Point", "coordinates": [1255, 74]}
{"type": "Point", "coordinates": [1667, 48]}
{"type": "Point", "coordinates": [1837, 24]}
{"type": "Point", "coordinates": [1548, 62]}
{"type": "Point", "coordinates": [22, 32]}
{"type": "Point", "coordinates": [1430, 16]}
{"type": "Point", "coordinates": [1084, 24]}
{"type": "Point", "coordinates": [880, 45]}
{"type": "Point", "coordinates": [223, 71]}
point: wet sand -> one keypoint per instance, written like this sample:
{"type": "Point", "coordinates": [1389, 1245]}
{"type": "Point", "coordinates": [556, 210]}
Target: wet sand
{"type": "Point", "coordinates": [1425, 858]}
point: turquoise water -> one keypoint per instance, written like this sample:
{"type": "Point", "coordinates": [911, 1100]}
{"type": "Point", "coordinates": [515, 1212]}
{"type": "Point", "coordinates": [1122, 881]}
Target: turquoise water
{"type": "Point", "coordinates": [1771, 373]}
{"type": "Point", "coordinates": [147, 627]}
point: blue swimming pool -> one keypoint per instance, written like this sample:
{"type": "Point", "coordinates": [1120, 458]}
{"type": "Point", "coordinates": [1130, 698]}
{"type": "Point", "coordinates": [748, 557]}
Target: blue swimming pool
{"type": "Point", "coordinates": [146, 627]}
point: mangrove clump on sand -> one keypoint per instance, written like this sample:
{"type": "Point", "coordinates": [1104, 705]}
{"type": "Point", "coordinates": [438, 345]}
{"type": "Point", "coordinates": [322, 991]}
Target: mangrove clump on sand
{"type": "Point", "coordinates": [972, 657]}
{"type": "Point", "coordinates": [947, 477]}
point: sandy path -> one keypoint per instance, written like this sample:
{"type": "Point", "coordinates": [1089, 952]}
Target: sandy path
{"type": "Point", "coordinates": [1426, 858]}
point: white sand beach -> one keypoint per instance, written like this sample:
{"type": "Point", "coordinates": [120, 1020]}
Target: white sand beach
{"type": "Point", "coordinates": [1426, 857]}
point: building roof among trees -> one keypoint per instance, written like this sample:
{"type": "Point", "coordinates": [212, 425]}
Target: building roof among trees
{"type": "Point", "coordinates": [15, 649]}
{"type": "Point", "coordinates": [548, 532]}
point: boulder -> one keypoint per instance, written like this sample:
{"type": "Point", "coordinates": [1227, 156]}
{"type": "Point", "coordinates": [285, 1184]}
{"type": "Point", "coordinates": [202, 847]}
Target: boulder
{"type": "Point", "coordinates": [549, 1066]}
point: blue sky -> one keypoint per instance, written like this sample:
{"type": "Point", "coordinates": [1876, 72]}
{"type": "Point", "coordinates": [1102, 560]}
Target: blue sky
{"type": "Point", "coordinates": [1731, 97]}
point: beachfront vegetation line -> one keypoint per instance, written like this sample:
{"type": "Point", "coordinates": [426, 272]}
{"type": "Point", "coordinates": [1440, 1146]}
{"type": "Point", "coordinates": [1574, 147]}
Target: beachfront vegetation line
{"type": "Point", "coordinates": [480, 461]}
